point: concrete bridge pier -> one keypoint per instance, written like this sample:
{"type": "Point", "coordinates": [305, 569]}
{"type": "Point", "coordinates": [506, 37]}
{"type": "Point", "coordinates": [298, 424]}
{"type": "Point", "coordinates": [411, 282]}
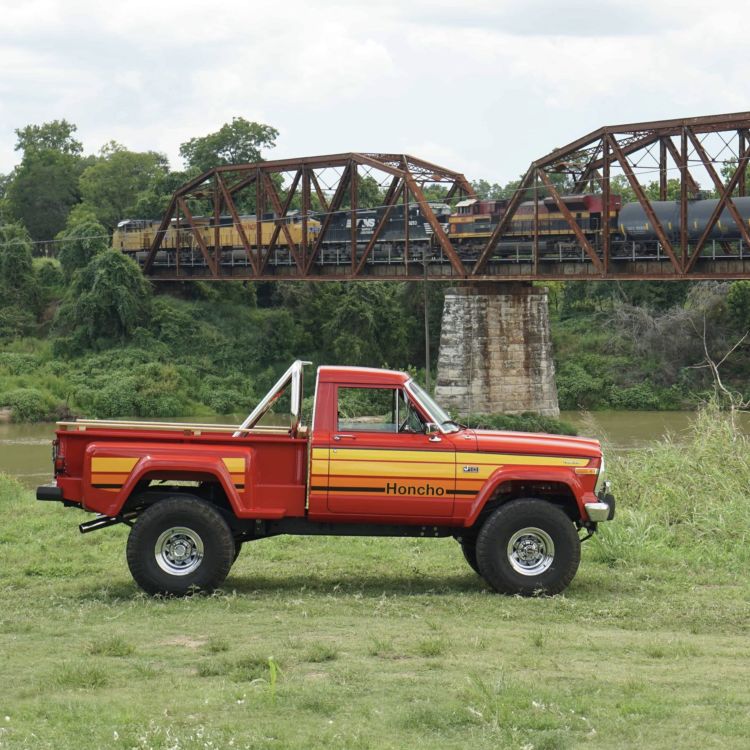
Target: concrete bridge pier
{"type": "Point", "coordinates": [496, 350]}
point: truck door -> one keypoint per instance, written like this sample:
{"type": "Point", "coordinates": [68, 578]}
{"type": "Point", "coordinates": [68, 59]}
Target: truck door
{"type": "Point", "coordinates": [380, 461]}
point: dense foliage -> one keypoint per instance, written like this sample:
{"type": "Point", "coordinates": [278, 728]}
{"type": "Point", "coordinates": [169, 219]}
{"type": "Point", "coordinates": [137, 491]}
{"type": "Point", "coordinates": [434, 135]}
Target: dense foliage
{"type": "Point", "coordinates": [84, 331]}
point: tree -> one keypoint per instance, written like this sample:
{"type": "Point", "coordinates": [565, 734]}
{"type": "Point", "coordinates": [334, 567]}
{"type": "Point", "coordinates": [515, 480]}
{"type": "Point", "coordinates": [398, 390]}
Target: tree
{"type": "Point", "coordinates": [106, 302]}
{"type": "Point", "coordinates": [673, 190]}
{"type": "Point", "coordinates": [44, 187]}
{"type": "Point", "coordinates": [19, 294]}
{"type": "Point", "coordinates": [238, 142]}
{"type": "Point", "coordinates": [738, 302]}
{"type": "Point", "coordinates": [435, 193]}
{"type": "Point", "coordinates": [369, 194]}
{"type": "Point", "coordinates": [4, 207]}
{"type": "Point", "coordinates": [17, 285]}
{"type": "Point", "coordinates": [152, 202]}
{"type": "Point", "coordinates": [43, 190]}
{"type": "Point", "coordinates": [486, 190]}
{"type": "Point", "coordinates": [50, 136]}
{"type": "Point", "coordinates": [79, 245]}
{"type": "Point", "coordinates": [111, 187]}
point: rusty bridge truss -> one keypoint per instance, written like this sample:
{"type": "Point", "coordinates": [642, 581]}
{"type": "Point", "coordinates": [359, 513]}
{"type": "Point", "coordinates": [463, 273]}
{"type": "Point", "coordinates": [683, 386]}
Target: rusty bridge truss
{"type": "Point", "coordinates": [306, 218]}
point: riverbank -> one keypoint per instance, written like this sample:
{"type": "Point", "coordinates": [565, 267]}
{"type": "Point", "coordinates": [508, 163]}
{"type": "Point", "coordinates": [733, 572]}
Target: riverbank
{"type": "Point", "coordinates": [326, 643]}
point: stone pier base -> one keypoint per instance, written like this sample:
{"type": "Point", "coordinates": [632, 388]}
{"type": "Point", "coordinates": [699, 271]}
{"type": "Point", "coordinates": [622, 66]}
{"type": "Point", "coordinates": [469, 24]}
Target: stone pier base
{"type": "Point", "coordinates": [496, 351]}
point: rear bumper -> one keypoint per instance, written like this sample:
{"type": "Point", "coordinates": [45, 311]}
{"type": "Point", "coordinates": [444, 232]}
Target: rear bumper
{"type": "Point", "coordinates": [50, 492]}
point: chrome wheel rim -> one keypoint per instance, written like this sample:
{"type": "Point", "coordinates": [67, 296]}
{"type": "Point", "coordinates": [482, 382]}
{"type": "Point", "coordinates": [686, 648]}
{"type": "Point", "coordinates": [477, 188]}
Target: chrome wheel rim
{"type": "Point", "coordinates": [531, 551]}
{"type": "Point", "coordinates": [179, 551]}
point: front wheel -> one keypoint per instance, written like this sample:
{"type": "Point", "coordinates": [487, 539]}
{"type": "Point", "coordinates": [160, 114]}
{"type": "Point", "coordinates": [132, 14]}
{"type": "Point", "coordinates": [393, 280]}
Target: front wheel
{"type": "Point", "coordinates": [528, 547]}
{"type": "Point", "coordinates": [469, 549]}
{"type": "Point", "coordinates": [180, 545]}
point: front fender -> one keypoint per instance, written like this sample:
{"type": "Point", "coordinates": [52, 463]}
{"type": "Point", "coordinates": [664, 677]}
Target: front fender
{"type": "Point", "coordinates": [520, 474]}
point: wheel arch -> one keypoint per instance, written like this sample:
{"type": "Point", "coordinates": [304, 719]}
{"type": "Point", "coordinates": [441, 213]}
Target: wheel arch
{"type": "Point", "coordinates": [214, 484]}
{"type": "Point", "coordinates": [504, 487]}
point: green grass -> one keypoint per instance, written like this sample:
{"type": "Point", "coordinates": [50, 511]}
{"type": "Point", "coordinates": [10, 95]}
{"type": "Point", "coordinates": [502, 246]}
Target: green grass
{"type": "Point", "coordinates": [382, 643]}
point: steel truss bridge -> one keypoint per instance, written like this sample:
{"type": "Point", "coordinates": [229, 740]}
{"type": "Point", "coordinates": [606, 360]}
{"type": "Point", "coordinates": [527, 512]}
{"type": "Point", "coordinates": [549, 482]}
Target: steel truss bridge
{"type": "Point", "coordinates": [702, 152]}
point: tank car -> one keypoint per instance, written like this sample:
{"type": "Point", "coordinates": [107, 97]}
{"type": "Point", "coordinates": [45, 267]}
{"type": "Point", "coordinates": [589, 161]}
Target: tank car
{"type": "Point", "coordinates": [635, 225]}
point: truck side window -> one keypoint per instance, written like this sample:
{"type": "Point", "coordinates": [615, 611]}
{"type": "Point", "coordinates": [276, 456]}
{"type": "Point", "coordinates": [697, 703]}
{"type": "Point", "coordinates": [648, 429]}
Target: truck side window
{"type": "Point", "coordinates": [369, 409]}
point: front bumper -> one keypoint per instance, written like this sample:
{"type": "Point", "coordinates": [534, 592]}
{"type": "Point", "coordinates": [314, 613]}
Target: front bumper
{"type": "Point", "coordinates": [604, 509]}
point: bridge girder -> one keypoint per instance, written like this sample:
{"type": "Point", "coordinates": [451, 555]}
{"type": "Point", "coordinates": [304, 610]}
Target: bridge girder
{"type": "Point", "coordinates": [221, 186]}
{"type": "Point", "coordinates": [685, 147]}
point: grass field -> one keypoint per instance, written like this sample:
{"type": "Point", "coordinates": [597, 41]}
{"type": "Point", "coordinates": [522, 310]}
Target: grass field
{"type": "Point", "coordinates": [361, 643]}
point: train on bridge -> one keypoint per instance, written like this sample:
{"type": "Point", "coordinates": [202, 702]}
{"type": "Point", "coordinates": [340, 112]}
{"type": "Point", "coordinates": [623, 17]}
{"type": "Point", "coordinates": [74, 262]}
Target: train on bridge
{"type": "Point", "coordinates": [468, 225]}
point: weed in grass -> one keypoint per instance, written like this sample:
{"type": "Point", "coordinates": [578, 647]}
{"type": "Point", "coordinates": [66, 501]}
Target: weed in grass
{"type": "Point", "coordinates": [559, 740]}
{"type": "Point", "coordinates": [655, 651]}
{"type": "Point", "coordinates": [242, 669]}
{"type": "Point", "coordinates": [217, 645]}
{"type": "Point", "coordinates": [274, 672]}
{"type": "Point", "coordinates": [432, 647]}
{"type": "Point", "coordinates": [320, 652]}
{"type": "Point", "coordinates": [381, 647]}
{"type": "Point", "coordinates": [80, 676]}
{"type": "Point", "coordinates": [538, 638]}
{"type": "Point", "coordinates": [320, 702]}
{"type": "Point", "coordinates": [487, 701]}
{"type": "Point", "coordinates": [113, 646]}
{"type": "Point", "coordinates": [430, 716]}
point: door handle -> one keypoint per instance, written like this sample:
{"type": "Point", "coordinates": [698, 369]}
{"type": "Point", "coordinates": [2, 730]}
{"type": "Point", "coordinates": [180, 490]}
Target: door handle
{"type": "Point", "coordinates": [339, 437]}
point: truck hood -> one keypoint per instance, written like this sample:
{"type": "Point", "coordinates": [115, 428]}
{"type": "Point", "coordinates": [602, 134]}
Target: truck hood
{"type": "Point", "coordinates": [491, 441]}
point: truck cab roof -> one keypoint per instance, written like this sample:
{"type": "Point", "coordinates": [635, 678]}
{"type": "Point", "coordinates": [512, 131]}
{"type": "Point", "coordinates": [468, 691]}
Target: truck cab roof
{"type": "Point", "coordinates": [368, 375]}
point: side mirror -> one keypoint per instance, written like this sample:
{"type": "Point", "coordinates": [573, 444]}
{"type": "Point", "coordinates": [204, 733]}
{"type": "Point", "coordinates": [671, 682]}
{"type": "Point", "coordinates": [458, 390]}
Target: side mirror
{"type": "Point", "coordinates": [431, 429]}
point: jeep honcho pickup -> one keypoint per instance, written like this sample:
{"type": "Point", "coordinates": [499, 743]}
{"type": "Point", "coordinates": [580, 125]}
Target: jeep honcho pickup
{"type": "Point", "coordinates": [379, 458]}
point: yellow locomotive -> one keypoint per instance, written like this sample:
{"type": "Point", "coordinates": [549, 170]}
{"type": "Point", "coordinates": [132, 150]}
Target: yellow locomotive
{"type": "Point", "coordinates": [137, 235]}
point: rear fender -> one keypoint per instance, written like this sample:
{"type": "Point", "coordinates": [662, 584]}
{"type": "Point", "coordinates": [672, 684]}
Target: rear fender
{"type": "Point", "coordinates": [213, 467]}
{"type": "Point", "coordinates": [172, 463]}
{"type": "Point", "coordinates": [519, 474]}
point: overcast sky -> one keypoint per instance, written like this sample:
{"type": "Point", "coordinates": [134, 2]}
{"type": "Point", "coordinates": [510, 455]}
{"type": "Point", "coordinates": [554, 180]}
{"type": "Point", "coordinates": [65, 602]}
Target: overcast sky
{"type": "Point", "coordinates": [479, 86]}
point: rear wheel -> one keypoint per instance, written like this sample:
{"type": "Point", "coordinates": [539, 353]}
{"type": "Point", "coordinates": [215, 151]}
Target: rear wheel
{"type": "Point", "coordinates": [180, 545]}
{"type": "Point", "coordinates": [528, 547]}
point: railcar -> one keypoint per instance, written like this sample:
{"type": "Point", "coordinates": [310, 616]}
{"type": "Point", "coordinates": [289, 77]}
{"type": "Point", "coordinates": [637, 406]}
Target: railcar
{"type": "Point", "coordinates": [137, 235]}
{"type": "Point", "coordinates": [635, 225]}
{"type": "Point", "coordinates": [541, 225]}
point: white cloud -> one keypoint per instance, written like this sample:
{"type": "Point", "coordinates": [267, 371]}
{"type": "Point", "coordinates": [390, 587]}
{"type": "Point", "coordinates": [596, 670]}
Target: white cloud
{"type": "Point", "coordinates": [483, 86]}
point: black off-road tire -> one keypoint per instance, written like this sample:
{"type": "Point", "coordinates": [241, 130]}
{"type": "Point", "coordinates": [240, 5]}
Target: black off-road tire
{"type": "Point", "coordinates": [528, 547]}
{"type": "Point", "coordinates": [179, 546]}
{"type": "Point", "coordinates": [237, 550]}
{"type": "Point", "coordinates": [469, 548]}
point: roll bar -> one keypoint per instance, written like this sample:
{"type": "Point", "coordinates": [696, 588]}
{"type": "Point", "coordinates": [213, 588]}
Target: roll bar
{"type": "Point", "coordinates": [294, 376]}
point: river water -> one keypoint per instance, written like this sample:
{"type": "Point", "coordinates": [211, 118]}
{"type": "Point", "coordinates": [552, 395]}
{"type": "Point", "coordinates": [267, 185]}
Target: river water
{"type": "Point", "coordinates": [25, 449]}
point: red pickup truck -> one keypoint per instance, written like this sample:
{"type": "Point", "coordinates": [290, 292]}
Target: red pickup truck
{"type": "Point", "coordinates": [379, 458]}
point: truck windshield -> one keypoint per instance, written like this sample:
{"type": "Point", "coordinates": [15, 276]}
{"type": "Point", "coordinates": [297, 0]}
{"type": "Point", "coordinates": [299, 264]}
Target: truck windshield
{"type": "Point", "coordinates": [435, 411]}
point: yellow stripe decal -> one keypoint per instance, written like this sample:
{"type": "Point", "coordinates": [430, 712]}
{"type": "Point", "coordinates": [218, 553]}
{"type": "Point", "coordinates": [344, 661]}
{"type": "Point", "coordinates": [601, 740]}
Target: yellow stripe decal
{"type": "Point", "coordinates": [113, 465]}
{"type": "Point", "coordinates": [513, 459]}
{"type": "Point", "coordinates": [235, 465]}
{"type": "Point", "coordinates": [386, 454]}
{"type": "Point", "coordinates": [382, 469]}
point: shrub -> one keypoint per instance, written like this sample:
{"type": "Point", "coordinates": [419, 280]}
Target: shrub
{"type": "Point", "coordinates": [685, 500]}
{"type": "Point", "coordinates": [29, 405]}
{"type": "Point", "coordinates": [107, 301]}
